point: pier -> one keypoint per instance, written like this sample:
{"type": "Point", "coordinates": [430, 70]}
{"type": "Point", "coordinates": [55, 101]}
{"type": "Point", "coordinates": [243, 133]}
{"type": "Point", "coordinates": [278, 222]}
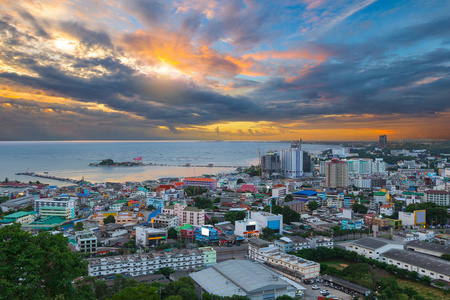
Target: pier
{"type": "Point", "coordinates": [33, 174]}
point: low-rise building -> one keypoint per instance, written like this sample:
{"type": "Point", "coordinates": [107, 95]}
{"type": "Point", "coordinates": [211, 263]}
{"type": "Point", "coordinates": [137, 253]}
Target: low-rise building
{"type": "Point", "coordinates": [265, 219]}
{"type": "Point", "coordinates": [149, 236]}
{"type": "Point", "coordinates": [372, 247]}
{"type": "Point", "coordinates": [209, 255]}
{"type": "Point", "coordinates": [428, 248]}
{"type": "Point", "coordinates": [86, 241]}
{"type": "Point", "coordinates": [243, 278]}
{"type": "Point", "coordinates": [143, 264]}
{"type": "Point", "coordinates": [424, 265]}
{"type": "Point", "coordinates": [168, 221]}
{"type": "Point", "coordinates": [320, 241]}
{"type": "Point", "coordinates": [63, 206]}
{"type": "Point", "coordinates": [441, 198]}
{"type": "Point", "coordinates": [387, 210]}
{"type": "Point", "coordinates": [22, 217]}
{"type": "Point", "coordinates": [186, 214]}
{"type": "Point", "coordinates": [246, 228]}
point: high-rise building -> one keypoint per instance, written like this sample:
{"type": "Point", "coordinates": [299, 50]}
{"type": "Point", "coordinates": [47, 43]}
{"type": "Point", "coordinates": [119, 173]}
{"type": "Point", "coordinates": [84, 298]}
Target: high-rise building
{"type": "Point", "coordinates": [271, 164]}
{"type": "Point", "coordinates": [383, 141]}
{"type": "Point", "coordinates": [336, 173]}
{"type": "Point", "coordinates": [292, 163]}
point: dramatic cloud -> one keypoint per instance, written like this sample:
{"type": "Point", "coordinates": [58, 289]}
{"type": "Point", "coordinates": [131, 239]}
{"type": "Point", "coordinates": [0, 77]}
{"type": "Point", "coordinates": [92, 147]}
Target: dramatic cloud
{"type": "Point", "coordinates": [235, 69]}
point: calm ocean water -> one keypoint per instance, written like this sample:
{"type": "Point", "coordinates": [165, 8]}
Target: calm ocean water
{"type": "Point", "coordinates": [71, 159]}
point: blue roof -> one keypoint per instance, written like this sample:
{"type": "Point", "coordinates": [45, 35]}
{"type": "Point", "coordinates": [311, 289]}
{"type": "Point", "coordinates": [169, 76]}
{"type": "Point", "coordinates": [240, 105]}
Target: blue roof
{"type": "Point", "coordinates": [306, 193]}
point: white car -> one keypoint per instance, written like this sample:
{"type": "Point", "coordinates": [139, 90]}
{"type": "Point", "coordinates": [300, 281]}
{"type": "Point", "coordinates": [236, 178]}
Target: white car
{"type": "Point", "coordinates": [315, 287]}
{"type": "Point", "coordinates": [324, 292]}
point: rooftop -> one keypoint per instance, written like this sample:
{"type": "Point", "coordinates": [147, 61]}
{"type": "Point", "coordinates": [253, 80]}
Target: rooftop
{"type": "Point", "coordinates": [421, 260]}
{"type": "Point", "coordinates": [199, 179]}
{"type": "Point", "coordinates": [429, 246]}
{"type": "Point", "coordinates": [372, 243]}
{"type": "Point", "coordinates": [20, 214]}
{"type": "Point", "coordinates": [238, 277]}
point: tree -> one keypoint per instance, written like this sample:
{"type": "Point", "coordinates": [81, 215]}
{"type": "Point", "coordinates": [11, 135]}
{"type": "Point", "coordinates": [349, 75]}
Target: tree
{"type": "Point", "coordinates": [40, 266]}
{"type": "Point", "coordinates": [6, 180]}
{"type": "Point", "coordinates": [217, 200]}
{"type": "Point", "coordinates": [313, 205]}
{"type": "Point", "coordinates": [172, 233]}
{"type": "Point", "coordinates": [109, 219]}
{"type": "Point", "coordinates": [445, 256]}
{"type": "Point", "coordinates": [78, 226]}
{"type": "Point", "coordinates": [240, 180]}
{"type": "Point", "coordinates": [268, 234]}
{"type": "Point", "coordinates": [233, 216]}
{"type": "Point", "coordinates": [359, 208]}
{"type": "Point", "coordinates": [203, 202]}
{"type": "Point", "coordinates": [142, 291]}
{"type": "Point", "coordinates": [285, 297]}
{"type": "Point", "coordinates": [288, 198]}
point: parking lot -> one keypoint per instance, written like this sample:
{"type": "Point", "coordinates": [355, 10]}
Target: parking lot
{"type": "Point", "coordinates": [313, 294]}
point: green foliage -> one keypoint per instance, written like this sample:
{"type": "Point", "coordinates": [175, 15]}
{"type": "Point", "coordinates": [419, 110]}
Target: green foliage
{"type": "Point", "coordinates": [166, 271]}
{"type": "Point", "coordinates": [285, 297]}
{"type": "Point", "coordinates": [78, 226]}
{"type": "Point", "coordinates": [252, 170]}
{"type": "Point", "coordinates": [172, 233]}
{"type": "Point", "coordinates": [4, 199]}
{"type": "Point", "coordinates": [288, 198]}
{"type": "Point", "coordinates": [37, 267]}
{"type": "Point", "coordinates": [109, 219]}
{"type": "Point", "coordinates": [233, 216]}
{"type": "Point", "coordinates": [289, 215]}
{"type": "Point", "coordinates": [268, 234]}
{"type": "Point", "coordinates": [313, 205]}
{"type": "Point", "coordinates": [217, 200]}
{"type": "Point", "coordinates": [107, 162]}
{"type": "Point", "coordinates": [203, 203]}
{"type": "Point", "coordinates": [208, 296]}
{"type": "Point", "coordinates": [240, 180]}
{"type": "Point", "coordinates": [359, 208]}
{"type": "Point", "coordinates": [435, 214]}
{"type": "Point", "coordinates": [194, 190]}
{"type": "Point", "coordinates": [142, 291]}
{"type": "Point", "coordinates": [445, 256]}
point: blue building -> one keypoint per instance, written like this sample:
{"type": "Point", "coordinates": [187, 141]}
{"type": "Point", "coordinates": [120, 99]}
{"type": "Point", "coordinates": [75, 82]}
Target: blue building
{"type": "Point", "coordinates": [206, 235]}
{"type": "Point", "coordinates": [347, 201]}
{"type": "Point", "coordinates": [349, 224]}
{"type": "Point", "coordinates": [156, 202]}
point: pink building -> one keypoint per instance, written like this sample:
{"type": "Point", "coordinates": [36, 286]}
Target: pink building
{"type": "Point", "coordinates": [186, 214]}
{"type": "Point", "coordinates": [247, 188]}
{"type": "Point", "coordinates": [208, 183]}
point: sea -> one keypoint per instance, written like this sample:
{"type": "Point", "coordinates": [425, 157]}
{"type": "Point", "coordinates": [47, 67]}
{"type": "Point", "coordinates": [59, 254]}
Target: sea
{"type": "Point", "coordinates": [71, 159]}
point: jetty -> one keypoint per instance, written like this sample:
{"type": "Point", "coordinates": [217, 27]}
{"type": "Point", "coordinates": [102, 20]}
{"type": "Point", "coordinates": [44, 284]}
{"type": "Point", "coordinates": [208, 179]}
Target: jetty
{"type": "Point", "coordinates": [33, 174]}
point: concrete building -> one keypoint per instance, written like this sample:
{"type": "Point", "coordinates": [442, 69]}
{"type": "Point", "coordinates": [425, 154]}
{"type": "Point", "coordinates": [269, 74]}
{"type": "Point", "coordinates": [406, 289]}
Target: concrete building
{"type": "Point", "coordinates": [418, 217]}
{"type": "Point", "coordinates": [86, 241]}
{"type": "Point", "coordinates": [372, 247]}
{"type": "Point", "coordinates": [286, 263]}
{"type": "Point", "coordinates": [293, 243]}
{"type": "Point", "coordinates": [208, 183]}
{"type": "Point", "coordinates": [382, 143]}
{"type": "Point", "coordinates": [186, 214]}
{"type": "Point", "coordinates": [424, 265]}
{"type": "Point", "coordinates": [209, 256]}
{"type": "Point", "coordinates": [156, 202]}
{"type": "Point", "coordinates": [387, 210]}
{"type": "Point", "coordinates": [149, 236]}
{"type": "Point", "coordinates": [22, 217]}
{"type": "Point", "coordinates": [292, 163]}
{"type": "Point", "coordinates": [243, 278]}
{"type": "Point", "coordinates": [265, 219]}
{"type": "Point", "coordinates": [271, 164]}
{"type": "Point", "coordinates": [320, 241]}
{"type": "Point", "coordinates": [168, 221]}
{"type": "Point", "coordinates": [246, 228]}
{"type": "Point", "coordinates": [360, 166]}
{"type": "Point", "coordinates": [63, 206]}
{"type": "Point", "coordinates": [379, 166]}
{"type": "Point", "coordinates": [336, 173]}
{"type": "Point", "coordinates": [144, 264]}
{"type": "Point", "coordinates": [428, 248]}
{"type": "Point", "coordinates": [441, 198]}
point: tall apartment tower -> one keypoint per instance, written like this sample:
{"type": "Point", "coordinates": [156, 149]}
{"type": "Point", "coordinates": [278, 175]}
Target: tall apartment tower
{"type": "Point", "coordinates": [271, 164]}
{"type": "Point", "coordinates": [336, 173]}
{"type": "Point", "coordinates": [383, 141]}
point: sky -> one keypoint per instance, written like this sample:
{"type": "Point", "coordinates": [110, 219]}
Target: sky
{"type": "Point", "coordinates": [224, 70]}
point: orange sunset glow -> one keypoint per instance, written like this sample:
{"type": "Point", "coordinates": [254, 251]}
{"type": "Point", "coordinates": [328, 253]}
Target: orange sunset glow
{"type": "Point", "coordinates": [231, 70]}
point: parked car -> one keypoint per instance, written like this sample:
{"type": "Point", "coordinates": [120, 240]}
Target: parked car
{"type": "Point", "coordinates": [324, 292]}
{"type": "Point", "coordinates": [315, 287]}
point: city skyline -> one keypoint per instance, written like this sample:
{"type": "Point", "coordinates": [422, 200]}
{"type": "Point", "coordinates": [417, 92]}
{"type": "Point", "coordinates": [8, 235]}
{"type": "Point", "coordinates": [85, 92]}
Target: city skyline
{"type": "Point", "coordinates": [231, 70]}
